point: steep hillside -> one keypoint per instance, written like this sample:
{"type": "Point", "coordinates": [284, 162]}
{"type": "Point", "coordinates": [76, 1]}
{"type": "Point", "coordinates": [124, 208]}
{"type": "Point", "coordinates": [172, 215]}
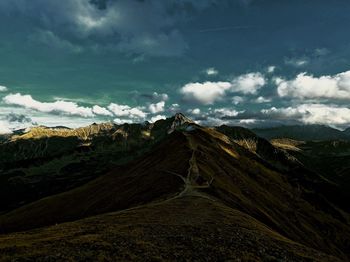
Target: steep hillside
{"type": "Point", "coordinates": [264, 149]}
{"type": "Point", "coordinates": [197, 188]}
{"type": "Point", "coordinates": [331, 159]}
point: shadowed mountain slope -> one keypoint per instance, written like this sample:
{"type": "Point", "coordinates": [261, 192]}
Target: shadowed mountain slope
{"type": "Point", "coordinates": [331, 159]}
{"type": "Point", "coordinates": [295, 159]}
{"type": "Point", "coordinates": [139, 182]}
{"type": "Point", "coordinates": [263, 148]}
{"type": "Point", "coordinates": [42, 161]}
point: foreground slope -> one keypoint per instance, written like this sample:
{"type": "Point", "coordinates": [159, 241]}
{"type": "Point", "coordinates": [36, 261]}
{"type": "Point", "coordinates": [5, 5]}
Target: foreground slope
{"type": "Point", "coordinates": [197, 190]}
{"type": "Point", "coordinates": [184, 229]}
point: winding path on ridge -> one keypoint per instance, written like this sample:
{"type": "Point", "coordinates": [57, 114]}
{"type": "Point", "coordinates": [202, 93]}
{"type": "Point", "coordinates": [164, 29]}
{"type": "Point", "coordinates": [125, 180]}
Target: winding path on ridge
{"type": "Point", "coordinates": [190, 185]}
{"type": "Point", "coordinates": [193, 174]}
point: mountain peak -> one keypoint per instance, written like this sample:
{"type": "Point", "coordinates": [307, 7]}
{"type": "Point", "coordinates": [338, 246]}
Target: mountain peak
{"type": "Point", "coordinates": [179, 120]}
{"type": "Point", "coordinates": [182, 118]}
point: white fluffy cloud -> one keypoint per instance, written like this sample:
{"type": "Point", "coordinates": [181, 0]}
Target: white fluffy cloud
{"type": "Point", "coordinates": [58, 107]}
{"type": "Point", "coordinates": [261, 100]}
{"type": "Point", "coordinates": [205, 93]}
{"type": "Point", "coordinates": [126, 111]}
{"type": "Point", "coordinates": [296, 62]}
{"type": "Point", "coordinates": [248, 121]}
{"type": "Point", "coordinates": [5, 127]}
{"type": "Point", "coordinates": [312, 114]}
{"type": "Point", "coordinates": [23, 111]}
{"type": "Point", "coordinates": [248, 83]}
{"type": "Point", "coordinates": [208, 93]}
{"type": "Point", "coordinates": [237, 100]}
{"type": "Point", "coordinates": [174, 108]}
{"type": "Point", "coordinates": [211, 71]}
{"type": "Point", "coordinates": [98, 110]}
{"type": "Point", "coordinates": [157, 117]}
{"type": "Point", "coordinates": [73, 109]}
{"type": "Point", "coordinates": [308, 86]}
{"type": "Point", "coordinates": [120, 121]}
{"type": "Point", "coordinates": [271, 69]}
{"type": "Point", "coordinates": [161, 97]}
{"type": "Point", "coordinates": [157, 108]}
{"type": "Point", "coordinates": [225, 112]}
{"type": "Point", "coordinates": [212, 121]}
{"type": "Point", "coordinates": [195, 111]}
{"type": "Point", "coordinates": [3, 88]}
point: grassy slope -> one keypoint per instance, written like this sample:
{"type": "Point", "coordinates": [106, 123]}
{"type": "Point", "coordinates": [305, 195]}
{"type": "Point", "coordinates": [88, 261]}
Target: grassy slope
{"type": "Point", "coordinates": [190, 228]}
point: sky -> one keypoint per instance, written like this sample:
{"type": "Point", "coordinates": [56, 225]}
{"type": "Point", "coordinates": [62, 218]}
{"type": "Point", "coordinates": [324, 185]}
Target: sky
{"type": "Point", "coordinates": [254, 63]}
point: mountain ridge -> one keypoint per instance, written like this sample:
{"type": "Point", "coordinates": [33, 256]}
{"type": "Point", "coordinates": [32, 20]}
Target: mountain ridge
{"type": "Point", "coordinates": [174, 167]}
{"type": "Point", "coordinates": [297, 132]}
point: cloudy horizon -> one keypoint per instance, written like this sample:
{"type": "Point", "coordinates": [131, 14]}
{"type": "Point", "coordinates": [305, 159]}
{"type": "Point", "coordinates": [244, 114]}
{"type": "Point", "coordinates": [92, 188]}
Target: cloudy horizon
{"type": "Point", "coordinates": [250, 63]}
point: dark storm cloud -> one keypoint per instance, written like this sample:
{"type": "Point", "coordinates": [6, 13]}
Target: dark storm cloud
{"type": "Point", "coordinates": [141, 27]}
{"type": "Point", "coordinates": [19, 118]}
{"type": "Point", "coordinates": [154, 97]}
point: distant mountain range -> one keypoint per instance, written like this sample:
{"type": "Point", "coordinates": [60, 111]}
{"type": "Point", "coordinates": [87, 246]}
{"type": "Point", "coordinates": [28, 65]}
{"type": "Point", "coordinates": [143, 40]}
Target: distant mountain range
{"type": "Point", "coordinates": [174, 190]}
{"type": "Point", "coordinates": [347, 131]}
{"type": "Point", "coordinates": [303, 132]}
{"type": "Point", "coordinates": [296, 132]}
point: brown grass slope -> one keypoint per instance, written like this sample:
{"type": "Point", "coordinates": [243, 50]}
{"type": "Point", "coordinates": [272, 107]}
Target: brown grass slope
{"type": "Point", "coordinates": [204, 164]}
{"type": "Point", "coordinates": [184, 229]}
